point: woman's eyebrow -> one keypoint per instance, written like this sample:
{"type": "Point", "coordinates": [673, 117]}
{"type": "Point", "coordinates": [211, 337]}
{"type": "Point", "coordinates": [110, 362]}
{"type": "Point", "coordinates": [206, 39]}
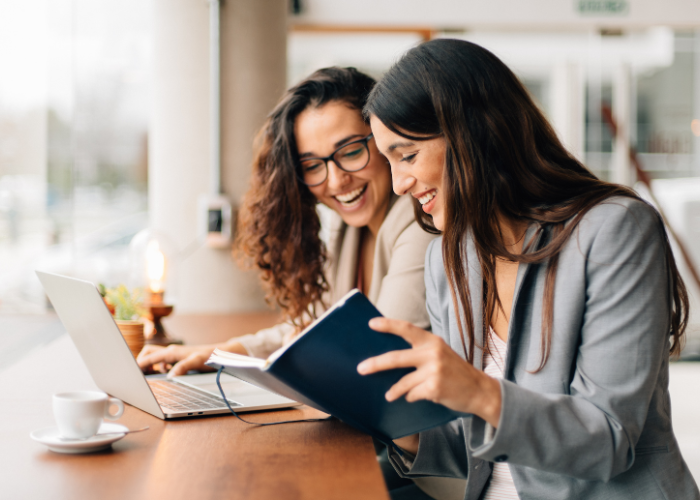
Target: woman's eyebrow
{"type": "Point", "coordinates": [399, 145]}
{"type": "Point", "coordinates": [347, 139]}
{"type": "Point", "coordinates": [336, 145]}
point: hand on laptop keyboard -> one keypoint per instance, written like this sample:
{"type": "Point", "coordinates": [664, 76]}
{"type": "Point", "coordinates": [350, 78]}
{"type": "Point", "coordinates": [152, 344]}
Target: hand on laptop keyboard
{"type": "Point", "coordinates": [174, 359]}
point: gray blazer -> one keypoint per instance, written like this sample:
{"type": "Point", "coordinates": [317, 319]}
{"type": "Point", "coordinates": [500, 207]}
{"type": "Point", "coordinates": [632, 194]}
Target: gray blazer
{"type": "Point", "coordinates": [595, 423]}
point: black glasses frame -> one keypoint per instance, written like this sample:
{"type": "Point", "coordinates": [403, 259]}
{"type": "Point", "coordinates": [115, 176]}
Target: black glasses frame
{"type": "Point", "coordinates": [325, 160]}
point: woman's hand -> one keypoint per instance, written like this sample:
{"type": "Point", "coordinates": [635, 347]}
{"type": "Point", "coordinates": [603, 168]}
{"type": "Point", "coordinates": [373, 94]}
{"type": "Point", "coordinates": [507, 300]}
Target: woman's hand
{"type": "Point", "coordinates": [440, 374]}
{"type": "Point", "coordinates": [178, 359]}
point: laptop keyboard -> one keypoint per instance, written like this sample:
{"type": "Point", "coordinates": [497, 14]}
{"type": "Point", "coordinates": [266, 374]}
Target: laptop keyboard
{"type": "Point", "coordinates": [182, 398]}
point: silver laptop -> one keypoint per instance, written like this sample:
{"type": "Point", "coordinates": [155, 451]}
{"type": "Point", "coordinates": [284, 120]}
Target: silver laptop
{"type": "Point", "coordinates": [86, 318]}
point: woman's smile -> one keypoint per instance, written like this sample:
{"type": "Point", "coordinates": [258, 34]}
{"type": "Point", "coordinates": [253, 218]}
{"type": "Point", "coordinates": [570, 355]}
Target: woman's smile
{"type": "Point", "coordinates": [351, 199]}
{"type": "Point", "coordinates": [361, 197]}
{"type": "Point", "coordinates": [427, 200]}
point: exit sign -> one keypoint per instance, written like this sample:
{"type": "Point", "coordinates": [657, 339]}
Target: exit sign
{"type": "Point", "coordinates": [602, 7]}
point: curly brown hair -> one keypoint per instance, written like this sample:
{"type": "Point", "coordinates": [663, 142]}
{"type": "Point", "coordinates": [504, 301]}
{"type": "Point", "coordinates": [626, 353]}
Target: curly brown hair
{"type": "Point", "coordinates": [278, 226]}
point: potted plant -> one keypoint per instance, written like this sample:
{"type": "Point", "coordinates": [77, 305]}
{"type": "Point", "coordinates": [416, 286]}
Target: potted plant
{"type": "Point", "coordinates": [103, 291]}
{"type": "Point", "coordinates": [128, 312]}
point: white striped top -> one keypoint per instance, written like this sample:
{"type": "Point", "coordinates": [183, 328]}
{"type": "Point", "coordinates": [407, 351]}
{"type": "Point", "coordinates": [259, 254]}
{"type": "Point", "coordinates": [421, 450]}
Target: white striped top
{"type": "Point", "coordinates": [501, 486]}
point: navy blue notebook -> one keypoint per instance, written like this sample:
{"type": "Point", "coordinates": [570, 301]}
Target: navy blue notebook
{"type": "Point", "coordinates": [319, 368]}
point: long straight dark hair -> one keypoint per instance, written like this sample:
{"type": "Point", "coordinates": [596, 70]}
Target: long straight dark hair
{"type": "Point", "coordinates": [502, 159]}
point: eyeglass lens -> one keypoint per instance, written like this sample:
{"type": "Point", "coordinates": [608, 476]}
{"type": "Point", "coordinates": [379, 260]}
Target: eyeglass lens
{"type": "Point", "coordinates": [351, 158]}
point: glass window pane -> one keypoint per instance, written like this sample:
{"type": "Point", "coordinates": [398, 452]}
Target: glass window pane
{"type": "Point", "coordinates": [73, 141]}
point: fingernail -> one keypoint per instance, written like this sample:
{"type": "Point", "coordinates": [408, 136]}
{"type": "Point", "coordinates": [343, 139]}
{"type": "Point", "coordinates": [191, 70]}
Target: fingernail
{"type": "Point", "coordinates": [374, 322]}
{"type": "Point", "coordinates": [362, 368]}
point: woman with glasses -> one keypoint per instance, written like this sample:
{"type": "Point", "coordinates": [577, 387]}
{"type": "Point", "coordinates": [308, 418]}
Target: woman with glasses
{"type": "Point", "coordinates": [554, 297]}
{"type": "Point", "coordinates": [316, 147]}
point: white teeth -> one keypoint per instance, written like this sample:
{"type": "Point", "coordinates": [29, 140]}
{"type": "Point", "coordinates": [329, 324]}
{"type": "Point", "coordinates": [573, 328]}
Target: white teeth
{"type": "Point", "coordinates": [427, 197]}
{"type": "Point", "coordinates": [350, 198]}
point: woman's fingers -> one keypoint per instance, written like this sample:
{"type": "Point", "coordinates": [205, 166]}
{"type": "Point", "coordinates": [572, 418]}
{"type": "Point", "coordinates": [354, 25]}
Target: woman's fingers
{"type": "Point", "coordinates": [405, 358]}
{"type": "Point", "coordinates": [179, 368]}
{"type": "Point", "coordinates": [428, 389]}
{"type": "Point", "coordinates": [151, 355]}
{"type": "Point", "coordinates": [433, 363]}
{"type": "Point", "coordinates": [408, 331]}
{"type": "Point", "coordinates": [424, 345]}
{"type": "Point", "coordinates": [147, 353]}
{"type": "Point", "coordinates": [405, 385]}
{"type": "Point", "coordinates": [194, 361]}
{"type": "Point", "coordinates": [396, 359]}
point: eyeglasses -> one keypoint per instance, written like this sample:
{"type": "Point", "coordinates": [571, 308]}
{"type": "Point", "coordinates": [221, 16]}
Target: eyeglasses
{"type": "Point", "coordinates": [350, 157]}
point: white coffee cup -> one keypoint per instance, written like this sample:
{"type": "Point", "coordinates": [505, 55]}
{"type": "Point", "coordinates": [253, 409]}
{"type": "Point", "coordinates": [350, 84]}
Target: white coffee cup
{"type": "Point", "coordinates": [80, 413]}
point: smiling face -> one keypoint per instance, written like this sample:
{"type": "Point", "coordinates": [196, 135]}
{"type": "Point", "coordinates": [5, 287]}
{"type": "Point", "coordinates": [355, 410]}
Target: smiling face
{"type": "Point", "coordinates": [417, 168]}
{"type": "Point", "coordinates": [361, 198]}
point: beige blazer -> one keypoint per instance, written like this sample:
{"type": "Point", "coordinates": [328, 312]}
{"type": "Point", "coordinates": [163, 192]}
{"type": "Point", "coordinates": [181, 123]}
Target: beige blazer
{"type": "Point", "coordinates": [398, 287]}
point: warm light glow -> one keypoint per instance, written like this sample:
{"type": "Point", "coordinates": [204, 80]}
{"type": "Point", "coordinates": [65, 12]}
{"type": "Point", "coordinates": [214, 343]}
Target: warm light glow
{"type": "Point", "coordinates": [155, 264]}
{"type": "Point", "coordinates": [695, 127]}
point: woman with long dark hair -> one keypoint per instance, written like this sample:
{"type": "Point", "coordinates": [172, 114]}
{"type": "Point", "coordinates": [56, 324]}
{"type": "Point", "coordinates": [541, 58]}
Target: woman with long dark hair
{"type": "Point", "coordinates": [554, 295]}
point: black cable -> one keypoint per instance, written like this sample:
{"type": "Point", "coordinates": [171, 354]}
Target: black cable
{"type": "Point", "coordinates": [223, 395]}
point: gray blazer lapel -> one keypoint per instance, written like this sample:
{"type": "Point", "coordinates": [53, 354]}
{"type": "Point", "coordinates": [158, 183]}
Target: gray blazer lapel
{"type": "Point", "coordinates": [476, 286]}
{"type": "Point", "coordinates": [523, 271]}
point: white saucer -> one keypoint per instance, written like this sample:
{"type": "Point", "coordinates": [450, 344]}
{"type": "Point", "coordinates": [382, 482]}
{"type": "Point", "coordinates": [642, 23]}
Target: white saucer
{"type": "Point", "coordinates": [51, 438]}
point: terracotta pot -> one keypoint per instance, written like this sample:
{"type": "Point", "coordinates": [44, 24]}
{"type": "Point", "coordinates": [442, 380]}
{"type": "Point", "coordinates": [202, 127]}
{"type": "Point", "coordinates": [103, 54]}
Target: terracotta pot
{"type": "Point", "coordinates": [109, 306]}
{"type": "Point", "coordinates": [132, 331]}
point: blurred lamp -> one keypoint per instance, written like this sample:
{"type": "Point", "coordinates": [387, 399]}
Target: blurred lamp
{"type": "Point", "coordinates": [151, 255]}
{"type": "Point", "coordinates": [156, 271]}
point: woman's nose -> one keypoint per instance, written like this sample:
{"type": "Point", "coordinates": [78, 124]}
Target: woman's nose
{"type": "Point", "coordinates": [337, 178]}
{"type": "Point", "coordinates": [402, 181]}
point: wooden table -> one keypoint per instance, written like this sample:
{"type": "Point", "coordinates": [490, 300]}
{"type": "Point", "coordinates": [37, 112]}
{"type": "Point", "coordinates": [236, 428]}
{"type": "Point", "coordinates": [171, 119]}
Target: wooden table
{"type": "Point", "coordinates": [214, 457]}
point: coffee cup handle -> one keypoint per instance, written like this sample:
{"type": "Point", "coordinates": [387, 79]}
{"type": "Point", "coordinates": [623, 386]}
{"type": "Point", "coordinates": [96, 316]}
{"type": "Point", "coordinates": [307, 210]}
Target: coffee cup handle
{"type": "Point", "coordinates": [120, 409]}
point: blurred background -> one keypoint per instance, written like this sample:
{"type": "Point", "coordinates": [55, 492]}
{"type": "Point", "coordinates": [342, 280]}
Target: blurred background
{"type": "Point", "coordinates": [108, 110]}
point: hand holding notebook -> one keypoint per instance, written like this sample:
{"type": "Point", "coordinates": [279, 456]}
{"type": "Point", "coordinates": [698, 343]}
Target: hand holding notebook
{"type": "Point", "coordinates": [319, 368]}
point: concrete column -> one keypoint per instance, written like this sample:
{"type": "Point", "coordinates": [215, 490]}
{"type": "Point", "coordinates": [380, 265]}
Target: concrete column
{"type": "Point", "coordinates": [253, 78]}
{"type": "Point", "coordinates": [567, 106]}
{"type": "Point", "coordinates": [253, 55]}
{"type": "Point", "coordinates": [621, 170]}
